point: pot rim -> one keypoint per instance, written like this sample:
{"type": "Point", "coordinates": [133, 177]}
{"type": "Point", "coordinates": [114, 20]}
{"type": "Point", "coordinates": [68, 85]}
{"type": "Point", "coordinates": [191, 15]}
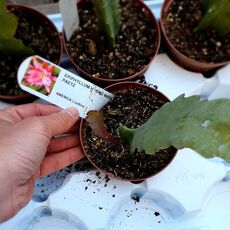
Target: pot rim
{"type": "Point", "coordinates": [134, 76]}
{"type": "Point", "coordinates": [123, 85]}
{"type": "Point", "coordinates": [176, 52]}
{"type": "Point", "coordinates": [26, 96]}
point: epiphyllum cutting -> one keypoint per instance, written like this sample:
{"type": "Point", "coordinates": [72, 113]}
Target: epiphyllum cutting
{"type": "Point", "coordinates": [201, 125]}
{"type": "Point", "coordinates": [40, 74]}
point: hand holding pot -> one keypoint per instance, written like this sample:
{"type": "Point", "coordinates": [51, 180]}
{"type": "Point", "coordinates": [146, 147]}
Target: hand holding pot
{"type": "Point", "coordinates": [31, 148]}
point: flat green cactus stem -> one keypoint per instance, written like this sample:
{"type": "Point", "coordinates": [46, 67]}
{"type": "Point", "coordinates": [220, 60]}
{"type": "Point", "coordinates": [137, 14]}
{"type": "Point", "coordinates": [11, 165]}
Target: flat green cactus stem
{"type": "Point", "coordinates": [201, 125]}
{"type": "Point", "coordinates": [216, 16]}
{"type": "Point", "coordinates": [108, 16]}
{"type": "Point", "coordinates": [8, 22]}
{"type": "Point", "coordinates": [8, 27]}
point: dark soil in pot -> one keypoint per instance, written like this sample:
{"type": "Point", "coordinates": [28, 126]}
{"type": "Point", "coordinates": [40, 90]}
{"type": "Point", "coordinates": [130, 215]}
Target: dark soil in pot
{"type": "Point", "coordinates": [131, 107]}
{"type": "Point", "coordinates": [206, 46]}
{"type": "Point", "coordinates": [137, 43]}
{"type": "Point", "coordinates": [36, 33]}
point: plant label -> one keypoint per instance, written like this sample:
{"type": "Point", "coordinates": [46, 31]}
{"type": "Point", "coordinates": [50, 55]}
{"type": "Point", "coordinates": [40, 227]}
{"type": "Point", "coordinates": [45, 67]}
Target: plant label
{"type": "Point", "coordinates": [59, 86]}
{"type": "Point", "coordinates": [70, 17]}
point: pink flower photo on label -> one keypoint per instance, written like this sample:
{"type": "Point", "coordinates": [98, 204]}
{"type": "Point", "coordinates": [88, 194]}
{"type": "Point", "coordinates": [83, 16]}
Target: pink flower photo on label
{"type": "Point", "coordinates": [41, 76]}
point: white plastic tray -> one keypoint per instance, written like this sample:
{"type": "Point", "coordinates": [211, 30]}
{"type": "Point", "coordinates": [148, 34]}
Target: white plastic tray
{"type": "Point", "coordinates": [192, 193]}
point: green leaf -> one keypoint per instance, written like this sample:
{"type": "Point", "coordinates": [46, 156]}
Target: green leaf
{"type": "Point", "coordinates": [203, 126]}
{"type": "Point", "coordinates": [216, 16]}
{"type": "Point", "coordinates": [8, 22]}
{"type": "Point", "coordinates": [2, 6]}
{"type": "Point", "coordinates": [14, 47]}
{"type": "Point", "coordinates": [126, 134]}
{"type": "Point", "coordinates": [108, 16]}
{"type": "Point", "coordinates": [56, 71]}
{"type": "Point", "coordinates": [8, 27]}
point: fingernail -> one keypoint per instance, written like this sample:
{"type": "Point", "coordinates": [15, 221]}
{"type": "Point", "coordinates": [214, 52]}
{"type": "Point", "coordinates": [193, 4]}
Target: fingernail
{"type": "Point", "coordinates": [73, 112]}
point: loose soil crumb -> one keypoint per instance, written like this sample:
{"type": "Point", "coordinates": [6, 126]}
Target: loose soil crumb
{"type": "Point", "coordinates": [136, 43]}
{"type": "Point", "coordinates": [136, 198]}
{"type": "Point", "coordinates": [206, 46]}
{"type": "Point", "coordinates": [131, 108]}
{"type": "Point", "coordinates": [34, 33]}
{"type": "Point", "coordinates": [93, 184]}
{"type": "Point", "coordinates": [156, 213]}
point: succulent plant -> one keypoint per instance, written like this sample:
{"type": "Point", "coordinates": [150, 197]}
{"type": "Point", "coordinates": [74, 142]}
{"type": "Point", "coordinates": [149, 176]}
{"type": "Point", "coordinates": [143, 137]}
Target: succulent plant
{"type": "Point", "coordinates": [108, 17]}
{"type": "Point", "coordinates": [201, 125]}
{"type": "Point", "coordinates": [8, 26]}
{"type": "Point", "coordinates": [216, 16]}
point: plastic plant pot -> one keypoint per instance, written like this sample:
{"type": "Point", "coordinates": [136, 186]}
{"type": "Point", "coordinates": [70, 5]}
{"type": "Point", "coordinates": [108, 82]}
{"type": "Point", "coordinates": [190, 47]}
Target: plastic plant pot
{"type": "Point", "coordinates": [25, 97]}
{"type": "Point", "coordinates": [177, 56]}
{"type": "Point", "coordinates": [104, 82]}
{"type": "Point", "coordinates": [84, 137]}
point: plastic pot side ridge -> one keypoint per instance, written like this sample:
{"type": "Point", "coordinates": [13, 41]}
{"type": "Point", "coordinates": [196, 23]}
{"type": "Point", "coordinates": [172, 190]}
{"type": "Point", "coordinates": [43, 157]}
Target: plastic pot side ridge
{"type": "Point", "coordinates": [23, 98]}
{"type": "Point", "coordinates": [177, 56]}
{"type": "Point", "coordinates": [112, 88]}
{"type": "Point", "coordinates": [105, 82]}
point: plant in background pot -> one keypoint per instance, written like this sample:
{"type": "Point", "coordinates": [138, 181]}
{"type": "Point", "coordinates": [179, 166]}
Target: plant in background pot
{"type": "Point", "coordinates": [132, 105]}
{"type": "Point", "coordinates": [23, 32]}
{"type": "Point", "coordinates": [112, 143]}
{"type": "Point", "coordinates": [197, 33]}
{"type": "Point", "coordinates": [116, 40]}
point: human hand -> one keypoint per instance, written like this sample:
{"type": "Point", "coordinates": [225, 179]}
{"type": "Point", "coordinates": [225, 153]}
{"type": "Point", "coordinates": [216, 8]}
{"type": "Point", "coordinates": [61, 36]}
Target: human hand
{"type": "Point", "coordinates": [30, 148]}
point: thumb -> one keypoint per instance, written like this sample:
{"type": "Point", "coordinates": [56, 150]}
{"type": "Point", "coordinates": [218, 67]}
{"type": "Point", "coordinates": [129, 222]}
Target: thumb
{"type": "Point", "coordinates": [61, 122]}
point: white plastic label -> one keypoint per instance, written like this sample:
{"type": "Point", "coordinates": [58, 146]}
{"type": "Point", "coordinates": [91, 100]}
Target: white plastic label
{"type": "Point", "coordinates": [59, 86]}
{"type": "Point", "coordinates": [70, 16]}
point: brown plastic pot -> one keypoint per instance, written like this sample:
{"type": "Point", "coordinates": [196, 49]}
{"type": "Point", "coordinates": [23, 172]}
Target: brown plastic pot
{"type": "Point", "coordinates": [105, 82]}
{"type": "Point", "coordinates": [178, 57]}
{"type": "Point", "coordinates": [18, 99]}
{"type": "Point", "coordinates": [24, 98]}
{"type": "Point", "coordinates": [112, 88]}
